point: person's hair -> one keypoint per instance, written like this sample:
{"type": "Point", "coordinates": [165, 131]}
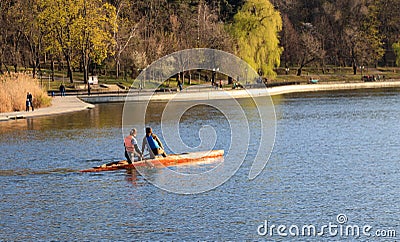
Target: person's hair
{"type": "Point", "coordinates": [148, 131]}
{"type": "Point", "coordinates": [133, 131]}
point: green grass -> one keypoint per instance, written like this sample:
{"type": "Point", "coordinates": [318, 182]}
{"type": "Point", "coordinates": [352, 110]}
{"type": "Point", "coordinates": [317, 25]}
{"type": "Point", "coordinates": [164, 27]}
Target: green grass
{"type": "Point", "coordinates": [336, 74]}
{"type": "Point", "coordinates": [332, 74]}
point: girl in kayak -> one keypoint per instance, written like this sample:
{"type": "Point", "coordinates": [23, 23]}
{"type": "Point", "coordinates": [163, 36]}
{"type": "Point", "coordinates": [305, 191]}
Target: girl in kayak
{"type": "Point", "coordinates": [153, 144]}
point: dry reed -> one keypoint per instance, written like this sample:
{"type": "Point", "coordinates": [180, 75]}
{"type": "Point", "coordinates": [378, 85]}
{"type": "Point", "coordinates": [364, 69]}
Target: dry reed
{"type": "Point", "coordinates": [13, 90]}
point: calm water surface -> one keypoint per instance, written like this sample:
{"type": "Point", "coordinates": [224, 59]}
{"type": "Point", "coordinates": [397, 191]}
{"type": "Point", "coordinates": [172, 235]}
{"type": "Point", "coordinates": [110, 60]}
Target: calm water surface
{"type": "Point", "coordinates": [335, 153]}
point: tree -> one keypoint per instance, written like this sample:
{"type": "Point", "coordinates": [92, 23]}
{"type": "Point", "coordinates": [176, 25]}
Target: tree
{"type": "Point", "coordinates": [256, 27]}
{"type": "Point", "coordinates": [355, 39]}
{"type": "Point", "coordinates": [127, 30]}
{"type": "Point", "coordinates": [389, 26]}
{"type": "Point", "coordinates": [290, 42]}
{"type": "Point", "coordinates": [396, 48]}
{"type": "Point", "coordinates": [311, 48]}
{"type": "Point", "coordinates": [5, 32]}
{"type": "Point", "coordinates": [371, 39]}
{"type": "Point", "coordinates": [92, 32]}
{"type": "Point", "coordinates": [58, 16]}
{"type": "Point", "coordinates": [81, 30]}
{"type": "Point", "coordinates": [33, 33]}
{"type": "Point", "coordinates": [11, 36]}
{"type": "Point", "coordinates": [211, 32]}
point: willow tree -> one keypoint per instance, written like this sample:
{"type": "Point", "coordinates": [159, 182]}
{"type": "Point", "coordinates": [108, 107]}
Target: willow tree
{"type": "Point", "coordinates": [256, 28]}
{"type": "Point", "coordinates": [396, 48]}
{"type": "Point", "coordinates": [373, 39]}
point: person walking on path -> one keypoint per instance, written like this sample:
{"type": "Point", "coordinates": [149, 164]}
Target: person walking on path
{"type": "Point", "coordinates": [153, 144]}
{"type": "Point", "coordinates": [131, 147]}
{"type": "Point", "coordinates": [27, 103]}
{"type": "Point", "coordinates": [180, 85]}
{"type": "Point", "coordinates": [62, 90]}
{"type": "Point", "coordinates": [29, 100]}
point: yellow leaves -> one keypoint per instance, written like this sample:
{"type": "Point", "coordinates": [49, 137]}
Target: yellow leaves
{"type": "Point", "coordinates": [78, 25]}
{"type": "Point", "coordinates": [256, 29]}
{"type": "Point", "coordinates": [396, 48]}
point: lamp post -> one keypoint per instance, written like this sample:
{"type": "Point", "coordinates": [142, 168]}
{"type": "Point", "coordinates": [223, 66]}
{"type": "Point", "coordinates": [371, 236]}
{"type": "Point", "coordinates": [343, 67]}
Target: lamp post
{"type": "Point", "coordinates": [214, 75]}
{"type": "Point", "coordinates": [49, 80]}
{"type": "Point", "coordinates": [199, 77]}
{"type": "Point", "coordinates": [41, 81]}
{"type": "Point", "coordinates": [247, 81]}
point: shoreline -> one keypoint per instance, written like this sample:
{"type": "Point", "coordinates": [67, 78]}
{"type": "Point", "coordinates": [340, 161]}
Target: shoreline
{"type": "Point", "coordinates": [194, 94]}
{"type": "Point", "coordinates": [61, 105]}
{"type": "Point", "coordinates": [335, 87]}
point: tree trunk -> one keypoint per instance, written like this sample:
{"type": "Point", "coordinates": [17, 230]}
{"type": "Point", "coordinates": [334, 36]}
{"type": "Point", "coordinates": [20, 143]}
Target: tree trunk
{"type": "Point", "coordinates": [85, 66]}
{"type": "Point", "coordinates": [52, 69]}
{"type": "Point", "coordinates": [36, 64]}
{"type": "Point", "coordinates": [134, 73]}
{"type": "Point", "coordinates": [69, 69]}
{"type": "Point", "coordinates": [353, 61]}
{"type": "Point", "coordinates": [85, 73]}
{"type": "Point", "coordinates": [117, 68]}
{"type": "Point", "coordinates": [8, 70]}
{"type": "Point", "coordinates": [60, 66]}
{"type": "Point", "coordinates": [299, 71]}
{"type": "Point", "coordinates": [354, 65]}
{"type": "Point", "coordinates": [230, 80]}
{"type": "Point", "coordinates": [34, 71]}
{"type": "Point", "coordinates": [303, 63]}
{"type": "Point", "coordinates": [69, 74]}
{"type": "Point", "coordinates": [88, 88]}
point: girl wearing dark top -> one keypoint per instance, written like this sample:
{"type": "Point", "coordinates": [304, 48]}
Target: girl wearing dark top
{"type": "Point", "coordinates": [153, 144]}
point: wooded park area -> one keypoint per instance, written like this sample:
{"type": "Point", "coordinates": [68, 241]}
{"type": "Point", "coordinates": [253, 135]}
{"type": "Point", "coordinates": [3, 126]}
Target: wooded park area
{"type": "Point", "coordinates": [115, 36]}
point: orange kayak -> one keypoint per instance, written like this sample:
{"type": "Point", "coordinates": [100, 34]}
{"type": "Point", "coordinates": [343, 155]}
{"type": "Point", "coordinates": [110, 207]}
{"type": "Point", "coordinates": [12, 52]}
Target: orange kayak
{"type": "Point", "coordinates": [170, 160]}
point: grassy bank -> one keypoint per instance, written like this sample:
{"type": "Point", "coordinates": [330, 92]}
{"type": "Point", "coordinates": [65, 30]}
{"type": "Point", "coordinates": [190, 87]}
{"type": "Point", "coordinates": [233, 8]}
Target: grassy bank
{"type": "Point", "coordinates": [329, 75]}
{"type": "Point", "coordinates": [13, 89]}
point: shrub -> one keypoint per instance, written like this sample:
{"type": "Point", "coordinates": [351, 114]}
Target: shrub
{"type": "Point", "coordinates": [13, 90]}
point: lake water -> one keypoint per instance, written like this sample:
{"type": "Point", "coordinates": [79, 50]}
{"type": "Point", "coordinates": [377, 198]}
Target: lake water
{"type": "Point", "coordinates": [336, 156]}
